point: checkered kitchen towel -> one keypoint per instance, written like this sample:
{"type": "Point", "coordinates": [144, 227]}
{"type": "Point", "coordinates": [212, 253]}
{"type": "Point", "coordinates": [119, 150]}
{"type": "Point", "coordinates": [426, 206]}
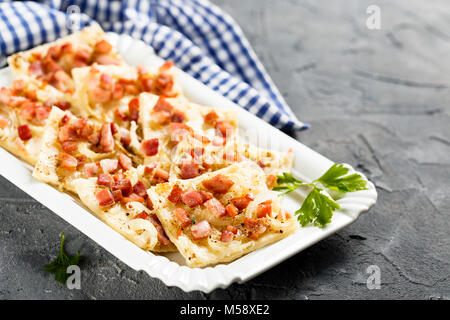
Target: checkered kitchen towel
{"type": "Point", "coordinates": [199, 37]}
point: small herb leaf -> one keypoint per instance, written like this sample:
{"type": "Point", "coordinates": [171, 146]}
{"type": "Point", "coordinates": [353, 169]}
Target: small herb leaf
{"type": "Point", "coordinates": [336, 178]}
{"type": "Point", "coordinates": [286, 183]}
{"type": "Point", "coordinates": [317, 209]}
{"type": "Point", "coordinates": [60, 264]}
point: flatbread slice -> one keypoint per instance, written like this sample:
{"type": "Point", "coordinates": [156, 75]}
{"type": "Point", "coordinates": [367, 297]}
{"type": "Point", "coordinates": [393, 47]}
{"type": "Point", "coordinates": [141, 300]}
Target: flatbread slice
{"type": "Point", "coordinates": [175, 122]}
{"type": "Point", "coordinates": [50, 65]}
{"type": "Point", "coordinates": [220, 216]}
{"type": "Point", "coordinates": [24, 109]}
{"type": "Point", "coordinates": [74, 148]}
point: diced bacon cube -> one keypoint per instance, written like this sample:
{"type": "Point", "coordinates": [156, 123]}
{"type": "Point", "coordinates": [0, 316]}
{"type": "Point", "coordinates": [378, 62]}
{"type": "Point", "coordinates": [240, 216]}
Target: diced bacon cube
{"type": "Point", "coordinates": [166, 66]}
{"type": "Point", "coordinates": [175, 194]}
{"type": "Point", "coordinates": [226, 236]}
{"type": "Point", "coordinates": [61, 80]}
{"type": "Point", "coordinates": [66, 48]}
{"type": "Point", "coordinates": [211, 118]}
{"type": "Point", "coordinates": [54, 52]}
{"type": "Point", "coordinates": [162, 237]}
{"type": "Point", "coordinates": [106, 81]}
{"type": "Point", "coordinates": [163, 105]}
{"type": "Point", "coordinates": [109, 165]}
{"type": "Point", "coordinates": [83, 55]}
{"type": "Point", "coordinates": [101, 95]}
{"type": "Point", "coordinates": [131, 89]}
{"type": "Point", "coordinates": [142, 215]}
{"type": "Point", "coordinates": [125, 136]}
{"type": "Point", "coordinates": [271, 181]}
{"type": "Point", "coordinates": [201, 230]}
{"type": "Point", "coordinates": [36, 69]}
{"type": "Point", "coordinates": [139, 189]}
{"type": "Point", "coordinates": [106, 139]}
{"type": "Point", "coordinates": [225, 128]}
{"type": "Point", "coordinates": [254, 228]}
{"type": "Point", "coordinates": [178, 131]}
{"type": "Point", "coordinates": [123, 185]}
{"type": "Point", "coordinates": [189, 170]}
{"type": "Point", "coordinates": [182, 217]}
{"type": "Point", "coordinates": [133, 109]}
{"type": "Point", "coordinates": [105, 180]}
{"type": "Point", "coordinates": [215, 207]}
{"type": "Point", "coordinates": [31, 94]}
{"type": "Point", "coordinates": [177, 116]}
{"type": "Point", "coordinates": [147, 84]}
{"type": "Point", "coordinates": [218, 184]}
{"type": "Point", "coordinates": [114, 129]}
{"type": "Point", "coordinates": [148, 170]}
{"type": "Point", "coordinates": [150, 147]}
{"type": "Point", "coordinates": [63, 104]}
{"type": "Point", "coordinates": [161, 117]}
{"type": "Point", "coordinates": [164, 83]}
{"type": "Point", "coordinates": [94, 138]}
{"type": "Point", "coordinates": [231, 210]}
{"type": "Point", "coordinates": [161, 175]}
{"type": "Point", "coordinates": [118, 92]}
{"type": "Point", "coordinates": [91, 169]}
{"type": "Point", "coordinates": [68, 162]}
{"type": "Point", "coordinates": [102, 47]}
{"type": "Point", "coordinates": [104, 198]}
{"type": "Point", "coordinates": [232, 229]}
{"type": "Point", "coordinates": [119, 114]}
{"type": "Point", "coordinates": [205, 195]}
{"type": "Point", "coordinates": [133, 197]}
{"type": "Point", "coordinates": [117, 195]}
{"type": "Point", "coordinates": [67, 133]}
{"type": "Point", "coordinates": [105, 59]}
{"type": "Point", "coordinates": [24, 132]}
{"type": "Point", "coordinates": [42, 114]}
{"type": "Point", "coordinates": [69, 146]}
{"type": "Point", "coordinates": [28, 110]}
{"type": "Point", "coordinates": [191, 198]}
{"type": "Point", "coordinates": [125, 162]}
{"type": "Point", "coordinates": [242, 202]}
{"type": "Point", "coordinates": [264, 209]}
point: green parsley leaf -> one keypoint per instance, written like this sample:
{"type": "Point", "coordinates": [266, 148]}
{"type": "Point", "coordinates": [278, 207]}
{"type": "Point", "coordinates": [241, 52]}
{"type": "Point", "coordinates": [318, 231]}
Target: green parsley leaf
{"type": "Point", "coordinates": [60, 264]}
{"type": "Point", "coordinates": [317, 209]}
{"type": "Point", "coordinates": [286, 183]}
{"type": "Point", "coordinates": [336, 178]}
{"type": "Point", "coordinates": [193, 220]}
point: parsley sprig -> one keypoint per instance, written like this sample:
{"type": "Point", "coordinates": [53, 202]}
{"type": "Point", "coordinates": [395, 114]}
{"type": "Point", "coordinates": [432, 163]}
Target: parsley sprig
{"type": "Point", "coordinates": [60, 264]}
{"type": "Point", "coordinates": [318, 207]}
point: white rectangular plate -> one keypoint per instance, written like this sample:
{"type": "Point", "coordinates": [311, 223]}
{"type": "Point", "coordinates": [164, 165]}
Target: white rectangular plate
{"type": "Point", "coordinates": [170, 267]}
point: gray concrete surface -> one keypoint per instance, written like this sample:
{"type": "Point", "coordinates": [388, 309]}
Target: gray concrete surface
{"type": "Point", "coordinates": [378, 100]}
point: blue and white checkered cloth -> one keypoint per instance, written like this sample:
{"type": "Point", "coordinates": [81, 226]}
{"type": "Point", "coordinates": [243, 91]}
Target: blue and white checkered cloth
{"type": "Point", "coordinates": [198, 36]}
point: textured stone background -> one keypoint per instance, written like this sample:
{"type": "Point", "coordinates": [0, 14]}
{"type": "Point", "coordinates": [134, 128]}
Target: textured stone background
{"type": "Point", "coordinates": [375, 99]}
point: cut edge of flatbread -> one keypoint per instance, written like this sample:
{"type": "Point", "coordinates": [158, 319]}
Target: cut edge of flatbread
{"type": "Point", "coordinates": [139, 231]}
{"type": "Point", "coordinates": [45, 168]}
